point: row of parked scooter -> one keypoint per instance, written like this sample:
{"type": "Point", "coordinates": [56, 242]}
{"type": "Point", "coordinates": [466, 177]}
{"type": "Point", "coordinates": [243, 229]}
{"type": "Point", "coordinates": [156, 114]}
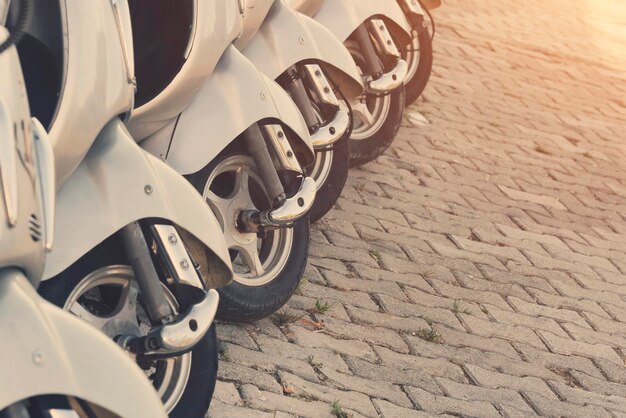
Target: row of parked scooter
{"type": "Point", "coordinates": [160, 165]}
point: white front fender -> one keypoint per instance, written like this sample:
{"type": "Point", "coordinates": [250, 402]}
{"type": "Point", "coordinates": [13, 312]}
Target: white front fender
{"type": "Point", "coordinates": [46, 351]}
{"type": "Point", "coordinates": [342, 17]}
{"type": "Point", "coordinates": [118, 183]}
{"type": "Point", "coordinates": [288, 37]}
{"type": "Point", "coordinates": [236, 96]}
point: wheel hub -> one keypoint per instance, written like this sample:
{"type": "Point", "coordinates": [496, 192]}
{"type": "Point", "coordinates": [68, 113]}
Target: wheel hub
{"type": "Point", "coordinates": [234, 231]}
{"type": "Point", "coordinates": [121, 326]}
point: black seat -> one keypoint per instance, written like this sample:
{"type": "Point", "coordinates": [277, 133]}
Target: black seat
{"type": "Point", "coordinates": [43, 82]}
{"type": "Point", "coordinates": [161, 30]}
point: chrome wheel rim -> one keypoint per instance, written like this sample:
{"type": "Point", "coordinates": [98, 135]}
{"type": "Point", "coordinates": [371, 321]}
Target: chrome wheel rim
{"type": "Point", "coordinates": [323, 159]}
{"type": "Point", "coordinates": [413, 55]}
{"type": "Point", "coordinates": [369, 111]}
{"type": "Point", "coordinates": [93, 300]}
{"type": "Point", "coordinates": [235, 185]}
{"type": "Point", "coordinates": [322, 167]}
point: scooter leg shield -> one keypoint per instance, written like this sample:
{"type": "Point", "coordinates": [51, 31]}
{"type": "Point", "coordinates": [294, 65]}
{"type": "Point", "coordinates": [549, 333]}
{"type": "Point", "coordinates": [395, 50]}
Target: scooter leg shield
{"type": "Point", "coordinates": [118, 183]}
{"type": "Point", "coordinates": [307, 7]}
{"type": "Point", "coordinates": [236, 96]}
{"type": "Point", "coordinates": [342, 17]}
{"type": "Point", "coordinates": [288, 37]}
{"type": "Point", "coordinates": [46, 351]}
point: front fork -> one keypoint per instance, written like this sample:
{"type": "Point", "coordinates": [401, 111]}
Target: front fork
{"type": "Point", "coordinates": [154, 248]}
{"type": "Point", "coordinates": [374, 38]}
{"type": "Point", "coordinates": [272, 152]}
{"type": "Point", "coordinates": [323, 133]}
{"type": "Point", "coordinates": [284, 211]}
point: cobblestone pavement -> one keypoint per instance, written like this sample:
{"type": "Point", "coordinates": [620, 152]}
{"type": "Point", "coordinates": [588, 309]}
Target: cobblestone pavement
{"type": "Point", "coordinates": [478, 268]}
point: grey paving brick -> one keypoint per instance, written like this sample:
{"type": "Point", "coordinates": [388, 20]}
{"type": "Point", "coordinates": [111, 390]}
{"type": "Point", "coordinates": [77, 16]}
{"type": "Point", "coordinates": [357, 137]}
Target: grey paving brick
{"type": "Point", "coordinates": [373, 335]}
{"type": "Point", "coordinates": [219, 409]}
{"type": "Point", "coordinates": [389, 410]}
{"type": "Point", "coordinates": [494, 380]}
{"type": "Point", "coordinates": [434, 366]}
{"type": "Point", "coordinates": [356, 348]}
{"type": "Point", "coordinates": [278, 348]}
{"type": "Point", "coordinates": [268, 401]}
{"type": "Point", "coordinates": [500, 396]}
{"type": "Point", "coordinates": [227, 393]}
{"type": "Point", "coordinates": [349, 399]}
{"type": "Point", "coordinates": [566, 346]}
{"type": "Point", "coordinates": [236, 373]}
{"type": "Point", "coordinates": [443, 404]}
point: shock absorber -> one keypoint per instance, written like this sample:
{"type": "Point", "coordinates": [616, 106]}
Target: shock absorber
{"type": "Point", "coordinates": [374, 66]}
{"type": "Point", "coordinates": [260, 153]}
{"type": "Point", "coordinates": [301, 99]}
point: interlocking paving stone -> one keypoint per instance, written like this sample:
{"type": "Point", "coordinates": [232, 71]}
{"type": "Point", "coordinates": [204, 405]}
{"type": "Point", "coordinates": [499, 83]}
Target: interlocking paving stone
{"type": "Point", "coordinates": [445, 404]}
{"type": "Point", "coordinates": [350, 399]}
{"type": "Point", "coordinates": [497, 217]}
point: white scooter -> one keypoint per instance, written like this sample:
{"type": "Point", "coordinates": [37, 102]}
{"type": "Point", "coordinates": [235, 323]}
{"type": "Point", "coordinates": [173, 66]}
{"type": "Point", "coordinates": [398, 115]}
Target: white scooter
{"type": "Point", "coordinates": [374, 31]}
{"type": "Point", "coordinates": [235, 134]}
{"type": "Point", "coordinates": [138, 253]}
{"type": "Point", "coordinates": [419, 53]}
{"type": "Point", "coordinates": [53, 364]}
{"type": "Point", "coordinates": [311, 64]}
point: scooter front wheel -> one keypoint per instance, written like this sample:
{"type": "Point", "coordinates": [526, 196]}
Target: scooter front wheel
{"type": "Point", "coordinates": [419, 56]}
{"type": "Point", "coordinates": [109, 299]}
{"type": "Point", "coordinates": [330, 173]}
{"type": "Point", "coordinates": [376, 117]}
{"type": "Point", "coordinates": [268, 267]}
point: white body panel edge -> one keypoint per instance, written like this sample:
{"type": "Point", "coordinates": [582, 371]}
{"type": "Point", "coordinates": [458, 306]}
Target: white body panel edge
{"type": "Point", "coordinates": [47, 351]}
{"type": "Point", "coordinates": [118, 183]}
{"type": "Point", "coordinates": [342, 17]}
{"type": "Point", "coordinates": [288, 37]}
{"type": "Point", "coordinates": [236, 96]}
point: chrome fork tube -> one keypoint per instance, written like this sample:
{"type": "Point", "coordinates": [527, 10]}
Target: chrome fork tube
{"type": "Point", "coordinates": [372, 62]}
{"type": "Point", "coordinates": [260, 153]}
{"type": "Point", "coordinates": [301, 99]}
{"type": "Point", "coordinates": [138, 252]}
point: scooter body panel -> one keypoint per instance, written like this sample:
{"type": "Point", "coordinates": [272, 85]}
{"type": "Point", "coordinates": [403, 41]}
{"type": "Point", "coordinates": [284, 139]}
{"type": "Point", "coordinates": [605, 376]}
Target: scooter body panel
{"type": "Point", "coordinates": [218, 23]}
{"type": "Point", "coordinates": [19, 196]}
{"type": "Point", "coordinates": [46, 351]}
{"type": "Point", "coordinates": [253, 17]}
{"type": "Point", "coordinates": [307, 7]}
{"type": "Point", "coordinates": [342, 17]}
{"type": "Point", "coordinates": [236, 96]}
{"type": "Point", "coordinates": [98, 77]}
{"type": "Point", "coordinates": [287, 37]}
{"type": "Point", "coordinates": [118, 183]}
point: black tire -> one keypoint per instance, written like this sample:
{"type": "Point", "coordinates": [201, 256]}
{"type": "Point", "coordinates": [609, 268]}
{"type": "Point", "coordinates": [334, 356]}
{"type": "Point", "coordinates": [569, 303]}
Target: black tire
{"type": "Point", "coordinates": [240, 302]}
{"type": "Point", "coordinates": [328, 193]}
{"type": "Point", "coordinates": [197, 395]}
{"type": "Point", "coordinates": [368, 149]}
{"type": "Point", "coordinates": [416, 85]}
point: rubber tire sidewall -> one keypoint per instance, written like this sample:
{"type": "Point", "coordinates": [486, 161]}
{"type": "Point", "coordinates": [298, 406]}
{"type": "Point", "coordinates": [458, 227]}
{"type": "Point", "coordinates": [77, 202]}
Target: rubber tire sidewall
{"type": "Point", "coordinates": [365, 150]}
{"type": "Point", "coordinates": [241, 303]}
{"type": "Point", "coordinates": [195, 400]}
{"type": "Point", "coordinates": [416, 85]}
{"type": "Point", "coordinates": [198, 394]}
{"type": "Point", "coordinates": [330, 191]}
